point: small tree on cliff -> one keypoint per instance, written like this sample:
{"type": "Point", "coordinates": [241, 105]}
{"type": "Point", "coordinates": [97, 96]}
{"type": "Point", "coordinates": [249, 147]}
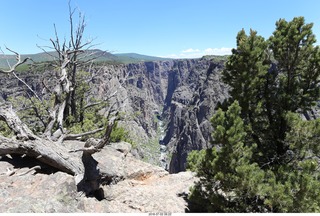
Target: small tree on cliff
{"type": "Point", "coordinates": [268, 157]}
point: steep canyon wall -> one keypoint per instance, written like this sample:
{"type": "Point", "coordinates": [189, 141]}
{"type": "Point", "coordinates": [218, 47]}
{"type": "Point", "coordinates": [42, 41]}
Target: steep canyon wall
{"type": "Point", "coordinates": [178, 95]}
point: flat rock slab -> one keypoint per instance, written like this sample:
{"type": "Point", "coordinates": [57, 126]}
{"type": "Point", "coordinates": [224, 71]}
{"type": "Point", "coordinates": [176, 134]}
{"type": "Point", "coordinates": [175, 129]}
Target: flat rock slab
{"type": "Point", "coordinates": [155, 194]}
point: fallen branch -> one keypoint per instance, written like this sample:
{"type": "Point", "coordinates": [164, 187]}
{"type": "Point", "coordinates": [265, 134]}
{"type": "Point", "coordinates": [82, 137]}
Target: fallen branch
{"type": "Point", "coordinates": [47, 152]}
{"type": "Point", "coordinates": [77, 136]}
{"type": "Point", "coordinates": [88, 150]}
{"type": "Point", "coordinates": [30, 170]}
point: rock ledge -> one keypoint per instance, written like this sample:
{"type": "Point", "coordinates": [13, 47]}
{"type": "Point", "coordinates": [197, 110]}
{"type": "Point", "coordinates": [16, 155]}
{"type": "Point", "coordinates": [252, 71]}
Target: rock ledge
{"type": "Point", "coordinates": [130, 185]}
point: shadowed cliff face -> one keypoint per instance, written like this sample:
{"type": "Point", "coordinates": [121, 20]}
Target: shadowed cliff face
{"type": "Point", "coordinates": [179, 95]}
{"type": "Point", "coordinates": [194, 89]}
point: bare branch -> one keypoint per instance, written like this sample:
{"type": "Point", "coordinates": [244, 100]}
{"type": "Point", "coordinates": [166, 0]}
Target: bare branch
{"type": "Point", "coordinates": [52, 119]}
{"type": "Point", "coordinates": [48, 53]}
{"type": "Point", "coordinates": [71, 12]}
{"type": "Point", "coordinates": [77, 136]}
{"type": "Point", "coordinates": [93, 104]}
{"type": "Point", "coordinates": [18, 63]}
{"type": "Point", "coordinates": [90, 56]}
{"type": "Point", "coordinates": [33, 92]}
{"type": "Point", "coordinates": [107, 134]}
{"type": "Point", "coordinates": [12, 69]}
{"type": "Point", "coordinates": [46, 86]}
{"type": "Point", "coordinates": [88, 150]}
{"type": "Point", "coordinates": [36, 110]}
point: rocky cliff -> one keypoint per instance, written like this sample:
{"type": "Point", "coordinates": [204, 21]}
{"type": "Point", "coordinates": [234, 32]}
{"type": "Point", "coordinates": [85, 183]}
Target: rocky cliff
{"type": "Point", "coordinates": [167, 102]}
{"type": "Point", "coordinates": [170, 102]}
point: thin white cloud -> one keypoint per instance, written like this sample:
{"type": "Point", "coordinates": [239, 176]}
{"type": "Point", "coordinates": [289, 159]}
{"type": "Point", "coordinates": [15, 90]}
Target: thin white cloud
{"type": "Point", "coordinates": [190, 50]}
{"type": "Point", "coordinates": [170, 56]}
{"type": "Point", "coordinates": [218, 51]}
{"type": "Point", "coordinates": [197, 53]}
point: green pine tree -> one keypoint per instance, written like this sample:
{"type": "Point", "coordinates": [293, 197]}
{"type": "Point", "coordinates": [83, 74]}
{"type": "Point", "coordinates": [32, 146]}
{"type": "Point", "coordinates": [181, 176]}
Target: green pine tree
{"type": "Point", "coordinates": [265, 156]}
{"type": "Point", "coordinates": [228, 179]}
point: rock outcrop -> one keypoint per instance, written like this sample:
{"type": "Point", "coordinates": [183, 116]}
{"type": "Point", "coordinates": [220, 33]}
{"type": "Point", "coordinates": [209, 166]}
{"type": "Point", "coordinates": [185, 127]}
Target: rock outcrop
{"type": "Point", "coordinates": [129, 185]}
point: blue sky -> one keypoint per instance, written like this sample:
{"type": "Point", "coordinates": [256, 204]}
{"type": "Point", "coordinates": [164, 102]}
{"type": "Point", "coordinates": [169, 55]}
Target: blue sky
{"type": "Point", "coordinates": [167, 28]}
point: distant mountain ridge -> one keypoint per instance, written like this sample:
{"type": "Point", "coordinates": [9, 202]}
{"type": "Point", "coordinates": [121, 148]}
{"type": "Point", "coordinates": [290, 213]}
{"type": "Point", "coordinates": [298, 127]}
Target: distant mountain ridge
{"type": "Point", "coordinates": [101, 56]}
{"type": "Point", "coordinates": [138, 57]}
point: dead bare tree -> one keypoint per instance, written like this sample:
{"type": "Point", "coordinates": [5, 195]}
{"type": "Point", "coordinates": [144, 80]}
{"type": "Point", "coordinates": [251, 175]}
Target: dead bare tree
{"type": "Point", "coordinates": [47, 147]}
{"type": "Point", "coordinates": [69, 57]}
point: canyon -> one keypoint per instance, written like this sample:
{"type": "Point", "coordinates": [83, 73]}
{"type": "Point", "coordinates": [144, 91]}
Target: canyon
{"type": "Point", "coordinates": [166, 106]}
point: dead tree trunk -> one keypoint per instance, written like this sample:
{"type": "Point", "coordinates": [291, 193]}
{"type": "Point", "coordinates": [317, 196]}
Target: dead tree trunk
{"type": "Point", "coordinates": [45, 151]}
{"type": "Point", "coordinates": [20, 129]}
{"type": "Point", "coordinates": [87, 176]}
{"type": "Point", "coordinates": [31, 145]}
{"type": "Point", "coordinates": [62, 88]}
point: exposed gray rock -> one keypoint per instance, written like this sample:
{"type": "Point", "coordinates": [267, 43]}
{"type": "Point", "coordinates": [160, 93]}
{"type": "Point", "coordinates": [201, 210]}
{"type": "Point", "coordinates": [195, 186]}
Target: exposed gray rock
{"type": "Point", "coordinates": [123, 147]}
{"type": "Point", "coordinates": [116, 166]}
{"type": "Point", "coordinates": [129, 185]}
{"type": "Point", "coordinates": [38, 193]}
{"type": "Point", "coordinates": [154, 194]}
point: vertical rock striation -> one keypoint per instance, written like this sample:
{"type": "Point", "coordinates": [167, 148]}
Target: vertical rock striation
{"type": "Point", "coordinates": [194, 90]}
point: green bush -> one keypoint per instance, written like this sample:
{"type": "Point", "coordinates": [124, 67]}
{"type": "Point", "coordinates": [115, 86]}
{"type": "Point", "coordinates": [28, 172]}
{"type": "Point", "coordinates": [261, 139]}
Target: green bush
{"type": "Point", "coordinates": [5, 130]}
{"type": "Point", "coordinates": [119, 134]}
